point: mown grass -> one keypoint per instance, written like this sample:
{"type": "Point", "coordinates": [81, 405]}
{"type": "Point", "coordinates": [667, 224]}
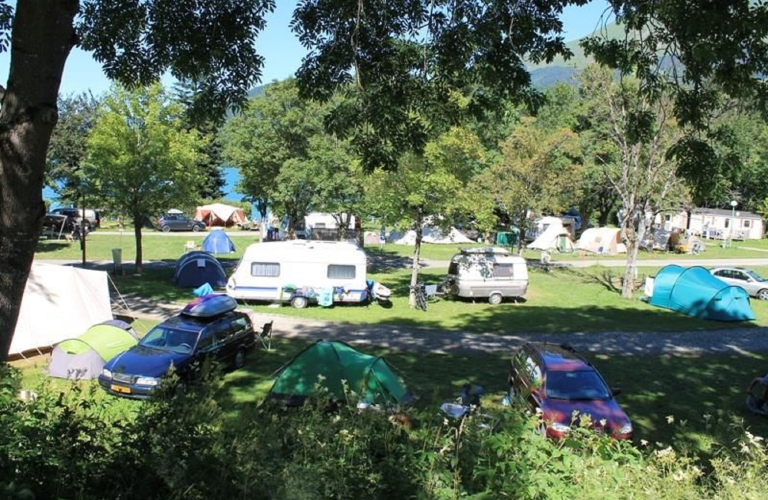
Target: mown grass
{"type": "Point", "coordinates": [701, 394]}
{"type": "Point", "coordinates": [561, 301]}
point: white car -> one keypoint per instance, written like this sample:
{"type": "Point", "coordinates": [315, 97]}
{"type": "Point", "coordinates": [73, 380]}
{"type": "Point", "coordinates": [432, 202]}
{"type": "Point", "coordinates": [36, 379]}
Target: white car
{"type": "Point", "coordinates": [754, 284]}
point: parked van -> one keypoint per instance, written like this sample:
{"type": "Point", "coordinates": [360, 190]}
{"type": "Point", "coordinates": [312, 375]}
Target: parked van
{"type": "Point", "coordinates": [488, 272]}
{"type": "Point", "coordinates": [300, 272]}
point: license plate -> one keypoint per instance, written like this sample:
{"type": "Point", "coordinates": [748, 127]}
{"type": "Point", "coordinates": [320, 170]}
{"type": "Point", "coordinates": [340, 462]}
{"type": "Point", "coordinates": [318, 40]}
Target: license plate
{"type": "Point", "coordinates": [120, 388]}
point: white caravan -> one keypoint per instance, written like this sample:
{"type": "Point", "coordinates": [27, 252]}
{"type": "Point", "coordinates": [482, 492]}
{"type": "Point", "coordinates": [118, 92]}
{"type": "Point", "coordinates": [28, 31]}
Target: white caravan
{"type": "Point", "coordinates": [300, 272]}
{"type": "Point", "coordinates": [490, 272]}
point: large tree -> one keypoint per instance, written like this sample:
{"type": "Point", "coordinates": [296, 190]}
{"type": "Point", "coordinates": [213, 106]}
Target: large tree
{"type": "Point", "coordinates": [141, 158]}
{"type": "Point", "coordinates": [535, 173]}
{"type": "Point", "coordinates": [136, 42]}
{"type": "Point", "coordinates": [428, 189]}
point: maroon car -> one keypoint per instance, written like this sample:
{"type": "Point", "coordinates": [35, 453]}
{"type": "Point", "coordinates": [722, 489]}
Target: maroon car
{"type": "Point", "coordinates": [557, 380]}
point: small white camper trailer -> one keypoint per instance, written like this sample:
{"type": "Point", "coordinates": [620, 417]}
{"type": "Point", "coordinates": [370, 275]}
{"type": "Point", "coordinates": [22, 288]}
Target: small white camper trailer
{"type": "Point", "coordinates": [490, 272]}
{"type": "Point", "coordinates": [301, 272]}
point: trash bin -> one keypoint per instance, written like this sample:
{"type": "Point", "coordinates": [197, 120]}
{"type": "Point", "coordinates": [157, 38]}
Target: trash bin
{"type": "Point", "coordinates": [117, 259]}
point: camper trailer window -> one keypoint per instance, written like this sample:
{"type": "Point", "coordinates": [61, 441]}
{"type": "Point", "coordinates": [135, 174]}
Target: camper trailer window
{"type": "Point", "coordinates": [341, 272]}
{"type": "Point", "coordinates": [745, 223]}
{"type": "Point", "coordinates": [502, 270]}
{"type": "Point", "coordinates": [265, 269]}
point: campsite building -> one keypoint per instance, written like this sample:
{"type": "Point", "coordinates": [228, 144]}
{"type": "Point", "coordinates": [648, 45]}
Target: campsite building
{"type": "Point", "coordinates": [719, 223]}
{"type": "Point", "coordinates": [671, 220]}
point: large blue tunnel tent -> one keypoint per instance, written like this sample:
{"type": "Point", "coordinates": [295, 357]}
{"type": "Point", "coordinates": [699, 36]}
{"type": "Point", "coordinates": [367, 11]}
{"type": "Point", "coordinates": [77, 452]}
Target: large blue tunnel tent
{"type": "Point", "coordinates": [695, 292]}
{"type": "Point", "coordinates": [196, 268]}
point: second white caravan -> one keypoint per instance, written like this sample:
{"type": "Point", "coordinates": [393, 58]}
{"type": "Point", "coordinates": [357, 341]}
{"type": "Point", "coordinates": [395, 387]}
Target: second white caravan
{"type": "Point", "coordinates": [301, 272]}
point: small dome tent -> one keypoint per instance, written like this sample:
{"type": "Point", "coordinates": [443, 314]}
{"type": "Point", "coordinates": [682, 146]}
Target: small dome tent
{"type": "Point", "coordinates": [196, 268]}
{"type": "Point", "coordinates": [328, 364]}
{"type": "Point", "coordinates": [83, 357]}
{"type": "Point", "coordinates": [695, 292]}
{"type": "Point", "coordinates": [217, 241]}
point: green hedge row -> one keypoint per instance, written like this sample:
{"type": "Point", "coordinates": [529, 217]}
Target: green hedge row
{"type": "Point", "coordinates": [74, 445]}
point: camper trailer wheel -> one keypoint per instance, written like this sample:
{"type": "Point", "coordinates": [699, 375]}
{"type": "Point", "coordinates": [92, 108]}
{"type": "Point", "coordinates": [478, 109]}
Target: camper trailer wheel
{"type": "Point", "coordinates": [299, 302]}
{"type": "Point", "coordinates": [239, 358]}
{"type": "Point", "coordinates": [166, 229]}
{"type": "Point", "coordinates": [763, 294]}
{"type": "Point", "coordinates": [495, 299]}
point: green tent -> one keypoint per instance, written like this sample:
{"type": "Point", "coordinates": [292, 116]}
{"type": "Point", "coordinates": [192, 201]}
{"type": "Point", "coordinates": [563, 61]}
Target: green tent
{"type": "Point", "coordinates": [327, 364]}
{"type": "Point", "coordinates": [84, 356]}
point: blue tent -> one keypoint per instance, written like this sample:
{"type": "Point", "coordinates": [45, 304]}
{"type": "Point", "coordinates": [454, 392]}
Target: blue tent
{"type": "Point", "coordinates": [196, 268]}
{"type": "Point", "coordinates": [218, 242]}
{"type": "Point", "coordinates": [695, 292]}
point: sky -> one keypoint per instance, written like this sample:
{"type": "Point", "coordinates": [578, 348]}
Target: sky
{"type": "Point", "coordinates": [282, 54]}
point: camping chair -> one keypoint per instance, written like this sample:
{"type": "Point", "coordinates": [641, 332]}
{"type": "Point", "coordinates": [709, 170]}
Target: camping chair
{"type": "Point", "coordinates": [190, 246]}
{"type": "Point", "coordinates": [265, 336]}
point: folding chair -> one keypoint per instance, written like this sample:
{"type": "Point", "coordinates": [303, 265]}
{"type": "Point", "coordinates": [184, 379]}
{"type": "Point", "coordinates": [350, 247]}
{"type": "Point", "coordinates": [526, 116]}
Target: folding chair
{"type": "Point", "coordinates": [265, 337]}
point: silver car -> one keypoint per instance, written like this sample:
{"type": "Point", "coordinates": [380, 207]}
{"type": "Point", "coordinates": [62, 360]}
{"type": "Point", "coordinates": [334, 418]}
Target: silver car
{"type": "Point", "coordinates": [753, 283]}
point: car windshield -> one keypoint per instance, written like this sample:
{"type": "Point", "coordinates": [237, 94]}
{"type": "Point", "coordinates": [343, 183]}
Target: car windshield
{"type": "Point", "coordinates": [584, 385]}
{"type": "Point", "coordinates": [754, 275]}
{"type": "Point", "coordinates": [169, 339]}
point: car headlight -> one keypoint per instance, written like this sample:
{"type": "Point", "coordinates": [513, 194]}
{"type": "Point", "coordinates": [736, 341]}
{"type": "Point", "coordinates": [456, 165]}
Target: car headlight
{"type": "Point", "coordinates": [106, 373]}
{"type": "Point", "coordinates": [558, 427]}
{"type": "Point", "coordinates": [626, 428]}
{"type": "Point", "coordinates": [146, 381]}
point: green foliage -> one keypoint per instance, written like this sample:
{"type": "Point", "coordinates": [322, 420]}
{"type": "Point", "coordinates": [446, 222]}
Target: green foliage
{"type": "Point", "coordinates": [404, 62]}
{"type": "Point", "coordinates": [141, 160]}
{"type": "Point", "coordinates": [67, 150]}
{"type": "Point", "coordinates": [212, 41]}
{"type": "Point", "coordinates": [75, 444]}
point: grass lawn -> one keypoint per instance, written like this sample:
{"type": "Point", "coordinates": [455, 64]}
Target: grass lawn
{"type": "Point", "coordinates": [653, 388]}
{"type": "Point", "coordinates": [564, 300]}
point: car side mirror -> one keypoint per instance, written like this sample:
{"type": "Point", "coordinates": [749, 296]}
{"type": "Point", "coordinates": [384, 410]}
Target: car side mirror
{"type": "Point", "coordinates": [615, 391]}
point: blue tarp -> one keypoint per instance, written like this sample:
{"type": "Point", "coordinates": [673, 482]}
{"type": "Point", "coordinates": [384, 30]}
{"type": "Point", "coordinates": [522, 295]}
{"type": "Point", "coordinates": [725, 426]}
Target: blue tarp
{"type": "Point", "coordinates": [695, 292]}
{"type": "Point", "coordinates": [218, 242]}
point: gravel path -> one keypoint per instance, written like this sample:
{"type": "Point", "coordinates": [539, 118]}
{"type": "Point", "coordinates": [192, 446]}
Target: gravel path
{"type": "Point", "coordinates": [732, 340]}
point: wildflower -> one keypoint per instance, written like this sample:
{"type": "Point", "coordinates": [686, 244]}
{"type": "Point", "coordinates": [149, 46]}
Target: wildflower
{"type": "Point", "coordinates": [643, 442]}
{"type": "Point", "coordinates": [320, 377]}
{"type": "Point", "coordinates": [603, 422]}
{"type": "Point", "coordinates": [663, 453]}
{"type": "Point", "coordinates": [670, 419]}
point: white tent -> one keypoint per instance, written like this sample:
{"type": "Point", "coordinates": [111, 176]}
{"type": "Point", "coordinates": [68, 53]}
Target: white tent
{"type": "Point", "coordinates": [59, 302]}
{"type": "Point", "coordinates": [554, 237]}
{"type": "Point", "coordinates": [429, 235]}
{"type": "Point", "coordinates": [602, 240]}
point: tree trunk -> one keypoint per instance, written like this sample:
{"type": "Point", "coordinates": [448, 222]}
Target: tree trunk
{"type": "Point", "coordinates": [138, 223]}
{"type": "Point", "coordinates": [634, 236]}
{"type": "Point", "coordinates": [41, 39]}
{"type": "Point", "coordinates": [415, 267]}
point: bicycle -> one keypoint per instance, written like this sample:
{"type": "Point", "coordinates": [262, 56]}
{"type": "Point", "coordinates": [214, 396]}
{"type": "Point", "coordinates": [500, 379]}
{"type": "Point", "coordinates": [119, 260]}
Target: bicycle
{"type": "Point", "coordinates": [420, 296]}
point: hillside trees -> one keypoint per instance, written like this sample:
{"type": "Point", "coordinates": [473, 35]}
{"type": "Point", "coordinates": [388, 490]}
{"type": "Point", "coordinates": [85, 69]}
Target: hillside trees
{"type": "Point", "coordinates": [67, 149]}
{"type": "Point", "coordinates": [136, 43]}
{"type": "Point", "coordinates": [141, 159]}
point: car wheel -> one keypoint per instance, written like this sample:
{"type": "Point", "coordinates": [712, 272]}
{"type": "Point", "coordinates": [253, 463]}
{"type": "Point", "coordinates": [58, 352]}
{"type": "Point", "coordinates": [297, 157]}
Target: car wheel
{"type": "Point", "coordinates": [196, 228]}
{"type": "Point", "coordinates": [166, 229]}
{"type": "Point", "coordinates": [299, 302]}
{"type": "Point", "coordinates": [763, 294]}
{"type": "Point", "coordinates": [239, 358]}
{"type": "Point", "coordinates": [495, 299]}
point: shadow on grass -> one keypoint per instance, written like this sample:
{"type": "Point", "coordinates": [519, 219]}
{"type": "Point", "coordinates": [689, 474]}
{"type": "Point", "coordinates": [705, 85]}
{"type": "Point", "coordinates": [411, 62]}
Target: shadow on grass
{"type": "Point", "coordinates": [45, 246]}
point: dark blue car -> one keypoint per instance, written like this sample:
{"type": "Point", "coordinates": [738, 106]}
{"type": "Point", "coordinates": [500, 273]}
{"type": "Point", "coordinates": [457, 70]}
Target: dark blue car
{"type": "Point", "coordinates": [182, 341]}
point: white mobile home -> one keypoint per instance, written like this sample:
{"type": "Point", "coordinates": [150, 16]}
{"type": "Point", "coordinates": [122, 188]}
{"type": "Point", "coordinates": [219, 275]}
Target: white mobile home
{"type": "Point", "coordinates": [717, 223]}
{"type": "Point", "coordinates": [301, 272]}
{"type": "Point", "coordinates": [490, 273]}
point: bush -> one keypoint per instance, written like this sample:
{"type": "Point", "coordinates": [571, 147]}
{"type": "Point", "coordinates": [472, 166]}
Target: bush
{"type": "Point", "coordinates": [79, 444]}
